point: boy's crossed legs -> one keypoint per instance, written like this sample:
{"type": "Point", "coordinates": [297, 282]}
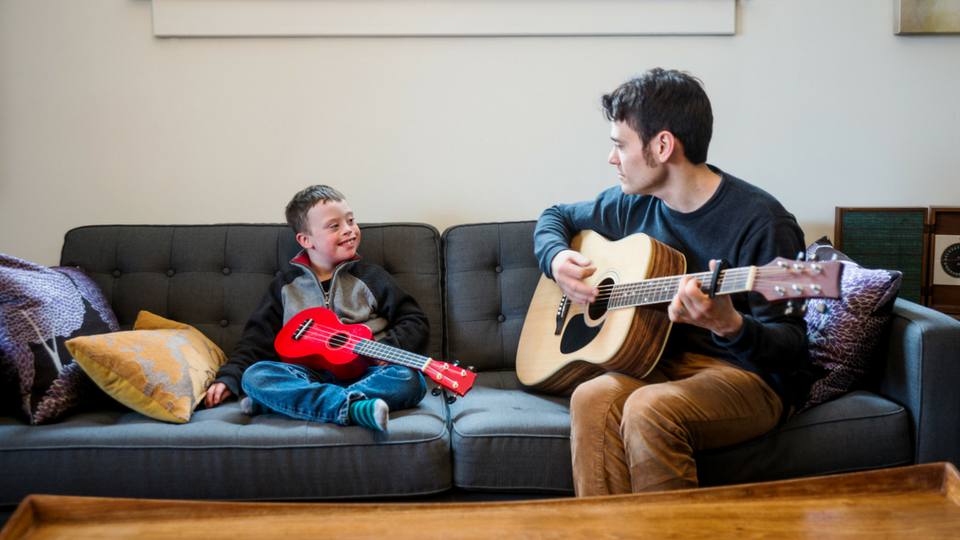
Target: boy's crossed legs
{"type": "Point", "coordinates": [319, 396]}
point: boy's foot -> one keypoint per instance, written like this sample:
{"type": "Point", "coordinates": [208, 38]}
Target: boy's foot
{"type": "Point", "coordinates": [372, 413]}
{"type": "Point", "coordinates": [251, 407]}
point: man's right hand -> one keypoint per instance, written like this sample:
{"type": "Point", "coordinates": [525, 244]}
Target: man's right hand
{"type": "Point", "coordinates": [569, 268]}
{"type": "Point", "coordinates": [216, 394]}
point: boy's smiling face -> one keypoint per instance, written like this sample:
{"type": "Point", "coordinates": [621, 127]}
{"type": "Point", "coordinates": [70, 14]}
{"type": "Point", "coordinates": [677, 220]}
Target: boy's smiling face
{"type": "Point", "coordinates": [332, 238]}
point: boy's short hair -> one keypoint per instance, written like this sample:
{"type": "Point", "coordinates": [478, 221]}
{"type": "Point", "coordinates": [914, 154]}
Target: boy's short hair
{"type": "Point", "coordinates": [662, 100]}
{"type": "Point", "coordinates": [303, 201]}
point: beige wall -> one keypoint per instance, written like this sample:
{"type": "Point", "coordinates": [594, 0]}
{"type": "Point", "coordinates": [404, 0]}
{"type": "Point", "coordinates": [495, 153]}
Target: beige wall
{"type": "Point", "coordinates": [815, 100]}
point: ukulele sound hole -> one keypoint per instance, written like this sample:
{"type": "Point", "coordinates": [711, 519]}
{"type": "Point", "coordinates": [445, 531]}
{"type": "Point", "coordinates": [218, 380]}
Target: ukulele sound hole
{"type": "Point", "coordinates": [338, 340]}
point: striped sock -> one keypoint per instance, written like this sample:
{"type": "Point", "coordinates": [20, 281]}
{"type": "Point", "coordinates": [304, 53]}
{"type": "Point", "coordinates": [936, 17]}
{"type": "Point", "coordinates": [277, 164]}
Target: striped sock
{"type": "Point", "coordinates": [251, 407]}
{"type": "Point", "coordinates": [372, 413]}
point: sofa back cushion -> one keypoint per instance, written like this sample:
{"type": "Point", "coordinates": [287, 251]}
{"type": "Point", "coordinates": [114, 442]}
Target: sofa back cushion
{"type": "Point", "coordinates": [490, 276]}
{"type": "Point", "coordinates": [212, 277]}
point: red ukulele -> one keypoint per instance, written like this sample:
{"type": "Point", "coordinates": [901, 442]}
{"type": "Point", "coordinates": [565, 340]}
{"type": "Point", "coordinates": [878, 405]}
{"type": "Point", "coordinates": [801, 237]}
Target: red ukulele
{"type": "Point", "coordinates": [315, 338]}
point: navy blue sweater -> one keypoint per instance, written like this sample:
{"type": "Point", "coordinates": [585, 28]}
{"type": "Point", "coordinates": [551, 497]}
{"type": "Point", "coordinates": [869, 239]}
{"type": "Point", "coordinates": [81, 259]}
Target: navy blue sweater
{"type": "Point", "coordinates": [740, 223]}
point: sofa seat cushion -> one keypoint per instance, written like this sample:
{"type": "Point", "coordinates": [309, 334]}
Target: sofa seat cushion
{"type": "Point", "coordinates": [224, 454]}
{"type": "Point", "coordinates": [859, 431]}
{"type": "Point", "coordinates": [508, 438]}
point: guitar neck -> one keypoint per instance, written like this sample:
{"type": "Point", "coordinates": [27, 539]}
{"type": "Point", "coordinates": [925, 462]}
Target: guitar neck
{"type": "Point", "coordinates": [390, 354]}
{"type": "Point", "coordinates": [662, 290]}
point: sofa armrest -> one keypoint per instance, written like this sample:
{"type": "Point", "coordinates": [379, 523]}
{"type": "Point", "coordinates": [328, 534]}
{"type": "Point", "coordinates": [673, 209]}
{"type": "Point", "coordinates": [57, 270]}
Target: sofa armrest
{"type": "Point", "coordinates": [922, 372]}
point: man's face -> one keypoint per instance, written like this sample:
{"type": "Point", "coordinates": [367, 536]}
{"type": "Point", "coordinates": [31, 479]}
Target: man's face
{"type": "Point", "coordinates": [333, 234]}
{"type": "Point", "coordinates": [638, 169]}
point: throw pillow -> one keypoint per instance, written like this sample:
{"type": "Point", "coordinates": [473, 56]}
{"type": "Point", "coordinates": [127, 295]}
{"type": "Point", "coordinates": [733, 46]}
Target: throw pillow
{"type": "Point", "coordinates": [844, 332]}
{"type": "Point", "coordinates": [41, 308]}
{"type": "Point", "coordinates": [161, 368]}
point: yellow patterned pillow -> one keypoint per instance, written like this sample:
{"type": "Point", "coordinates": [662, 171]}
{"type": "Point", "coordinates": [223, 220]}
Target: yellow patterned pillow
{"type": "Point", "coordinates": [161, 368]}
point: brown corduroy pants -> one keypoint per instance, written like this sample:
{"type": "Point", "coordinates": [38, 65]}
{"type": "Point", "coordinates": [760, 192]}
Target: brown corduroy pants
{"type": "Point", "coordinates": [629, 435]}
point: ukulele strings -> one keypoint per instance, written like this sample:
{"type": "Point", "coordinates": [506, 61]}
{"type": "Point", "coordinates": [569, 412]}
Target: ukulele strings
{"type": "Point", "coordinates": [324, 334]}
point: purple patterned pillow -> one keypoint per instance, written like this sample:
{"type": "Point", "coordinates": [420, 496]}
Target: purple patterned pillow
{"type": "Point", "coordinates": [844, 332]}
{"type": "Point", "coordinates": [41, 308]}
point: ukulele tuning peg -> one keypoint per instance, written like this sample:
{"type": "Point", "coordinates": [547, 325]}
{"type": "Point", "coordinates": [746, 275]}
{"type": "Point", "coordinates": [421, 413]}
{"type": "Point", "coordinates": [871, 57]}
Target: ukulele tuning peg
{"type": "Point", "coordinates": [471, 368]}
{"type": "Point", "coordinates": [455, 363]}
{"type": "Point", "coordinates": [789, 309]}
{"type": "Point", "coordinates": [822, 308]}
{"type": "Point", "coordinates": [436, 391]}
{"type": "Point", "coordinates": [451, 400]}
{"type": "Point", "coordinates": [801, 256]}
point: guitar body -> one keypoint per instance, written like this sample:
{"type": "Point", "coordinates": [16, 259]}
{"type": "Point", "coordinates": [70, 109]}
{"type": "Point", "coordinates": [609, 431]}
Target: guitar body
{"type": "Point", "coordinates": [330, 351]}
{"type": "Point", "coordinates": [594, 340]}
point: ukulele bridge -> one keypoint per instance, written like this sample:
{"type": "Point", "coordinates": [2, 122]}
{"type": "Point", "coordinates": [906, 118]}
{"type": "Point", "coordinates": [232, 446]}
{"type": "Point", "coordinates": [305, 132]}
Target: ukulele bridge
{"type": "Point", "coordinates": [304, 327]}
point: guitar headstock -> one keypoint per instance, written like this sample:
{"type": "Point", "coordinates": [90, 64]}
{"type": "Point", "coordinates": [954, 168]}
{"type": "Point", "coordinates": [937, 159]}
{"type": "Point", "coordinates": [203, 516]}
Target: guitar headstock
{"type": "Point", "coordinates": [456, 379]}
{"type": "Point", "coordinates": [784, 279]}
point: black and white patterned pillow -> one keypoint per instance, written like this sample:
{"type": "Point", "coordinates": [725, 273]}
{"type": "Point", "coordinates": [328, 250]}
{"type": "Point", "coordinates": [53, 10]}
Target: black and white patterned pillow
{"type": "Point", "coordinates": [41, 308]}
{"type": "Point", "coordinates": [843, 333]}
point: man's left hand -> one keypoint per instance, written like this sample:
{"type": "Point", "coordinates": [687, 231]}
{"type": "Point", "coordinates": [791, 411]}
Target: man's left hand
{"type": "Point", "coordinates": [716, 314]}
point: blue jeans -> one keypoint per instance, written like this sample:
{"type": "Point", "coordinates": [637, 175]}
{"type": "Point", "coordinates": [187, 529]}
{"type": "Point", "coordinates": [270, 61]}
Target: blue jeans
{"type": "Point", "coordinates": [317, 395]}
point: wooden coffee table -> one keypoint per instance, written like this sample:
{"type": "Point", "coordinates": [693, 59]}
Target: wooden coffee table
{"type": "Point", "coordinates": [918, 502]}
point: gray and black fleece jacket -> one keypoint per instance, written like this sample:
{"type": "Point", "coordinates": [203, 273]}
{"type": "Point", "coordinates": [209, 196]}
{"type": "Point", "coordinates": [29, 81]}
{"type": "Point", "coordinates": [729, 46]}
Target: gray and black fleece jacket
{"type": "Point", "coordinates": [359, 293]}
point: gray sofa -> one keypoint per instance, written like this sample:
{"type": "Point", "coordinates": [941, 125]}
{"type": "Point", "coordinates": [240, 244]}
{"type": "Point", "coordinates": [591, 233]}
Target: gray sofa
{"type": "Point", "coordinates": [474, 282]}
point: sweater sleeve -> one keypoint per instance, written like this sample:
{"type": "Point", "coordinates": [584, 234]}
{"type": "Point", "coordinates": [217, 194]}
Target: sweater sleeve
{"type": "Point", "coordinates": [606, 215]}
{"type": "Point", "coordinates": [771, 339]}
{"type": "Point", "coordinates": [256, 343]}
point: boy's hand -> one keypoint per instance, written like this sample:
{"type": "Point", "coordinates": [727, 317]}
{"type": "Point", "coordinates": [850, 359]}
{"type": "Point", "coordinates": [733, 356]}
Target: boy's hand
{"type": "Point", "coordinates": [216, 394]}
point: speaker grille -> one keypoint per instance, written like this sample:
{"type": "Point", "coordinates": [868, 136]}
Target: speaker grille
{"type": "Point", "coordinates": [888, 239]}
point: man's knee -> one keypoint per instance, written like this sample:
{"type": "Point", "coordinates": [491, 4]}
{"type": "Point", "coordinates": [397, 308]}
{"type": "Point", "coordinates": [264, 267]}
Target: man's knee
{"type": "Point", "coordinates": [654, 404]}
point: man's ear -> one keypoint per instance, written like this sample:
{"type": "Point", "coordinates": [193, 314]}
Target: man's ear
{"type": "Point", "coordinates": [304, 241]}
{"type": "Point", "coordinates": [665, 144]}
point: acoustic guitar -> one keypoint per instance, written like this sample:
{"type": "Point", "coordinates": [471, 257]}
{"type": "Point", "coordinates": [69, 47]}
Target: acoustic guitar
{"type": "Point", "coordinates": [625, 330]}
{"type": "Point", "coordinates": [316, 338]}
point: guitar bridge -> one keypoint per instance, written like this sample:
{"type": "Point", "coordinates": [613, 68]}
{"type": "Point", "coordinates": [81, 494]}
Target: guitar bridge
{"type": "Point", "coordinates": [304, 327]}
{"type": "Point", "coordinates": [562, 314]}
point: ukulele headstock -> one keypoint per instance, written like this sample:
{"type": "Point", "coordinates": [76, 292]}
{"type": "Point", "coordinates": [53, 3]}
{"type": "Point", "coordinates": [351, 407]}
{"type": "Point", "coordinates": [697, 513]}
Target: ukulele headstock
{"type": "Point", "coordinates": [456, 379]}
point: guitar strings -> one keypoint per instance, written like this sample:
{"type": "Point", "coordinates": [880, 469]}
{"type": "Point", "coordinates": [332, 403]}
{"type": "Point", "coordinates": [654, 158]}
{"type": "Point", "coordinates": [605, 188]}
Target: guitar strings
{"type": "Point", "coordinates": [663, 289]}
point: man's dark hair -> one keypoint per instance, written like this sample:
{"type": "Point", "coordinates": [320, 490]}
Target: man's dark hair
{"type": "Point", "coordinates": [302, 202]}
{"type": "Point", "coordinates": [661, 100]}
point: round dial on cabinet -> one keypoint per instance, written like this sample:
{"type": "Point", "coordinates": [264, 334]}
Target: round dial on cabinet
{"type": "Point", "coordinates": [950, 260]}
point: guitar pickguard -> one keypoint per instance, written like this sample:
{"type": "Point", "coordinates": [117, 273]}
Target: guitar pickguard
{"type": "Point", "coordinates": [578, 334]}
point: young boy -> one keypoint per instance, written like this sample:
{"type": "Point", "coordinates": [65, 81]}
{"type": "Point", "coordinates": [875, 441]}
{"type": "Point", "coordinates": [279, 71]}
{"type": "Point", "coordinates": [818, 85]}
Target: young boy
{"type": "Point", "coordinates": [327, 273]}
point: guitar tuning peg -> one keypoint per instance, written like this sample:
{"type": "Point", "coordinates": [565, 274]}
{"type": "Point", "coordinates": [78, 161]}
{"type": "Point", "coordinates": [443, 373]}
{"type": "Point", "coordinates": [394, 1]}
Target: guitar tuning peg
{"type": "Point", "coordinates": [455, 363]}
{"type": "Point", "coordinates": [789, 309]}
{"type": "Point", "coordinates": [822, 307]}
{"type": "Point", "coordinates": [451, 400]}
{"type": "Point", "coordinates": [471, 368]}
{"type": "Point", "coordinates": [801, 256]}
{"type": "Point", "coordinates": [436, 391]}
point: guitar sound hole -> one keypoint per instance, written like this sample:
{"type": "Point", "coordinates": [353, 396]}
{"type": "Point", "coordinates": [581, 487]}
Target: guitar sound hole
{"type": "Point", "coordinates": [338, 340]}
{"type": "Point", "coordinates": [598, 308]}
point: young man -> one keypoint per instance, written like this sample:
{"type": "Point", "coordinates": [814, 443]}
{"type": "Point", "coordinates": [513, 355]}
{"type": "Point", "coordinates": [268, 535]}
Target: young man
{"type": "Point", "coordinates": [733, 366]}
{"type": "Point", "coordinates": [327, 273]}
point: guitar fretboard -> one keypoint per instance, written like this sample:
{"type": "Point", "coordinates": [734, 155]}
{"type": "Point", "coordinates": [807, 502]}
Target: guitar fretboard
{"type": "Point", "coordinates": [662, 290]}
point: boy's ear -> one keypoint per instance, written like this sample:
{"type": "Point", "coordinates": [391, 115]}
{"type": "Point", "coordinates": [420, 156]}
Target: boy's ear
{"type": "Point", "coordinates": [304, 241]}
